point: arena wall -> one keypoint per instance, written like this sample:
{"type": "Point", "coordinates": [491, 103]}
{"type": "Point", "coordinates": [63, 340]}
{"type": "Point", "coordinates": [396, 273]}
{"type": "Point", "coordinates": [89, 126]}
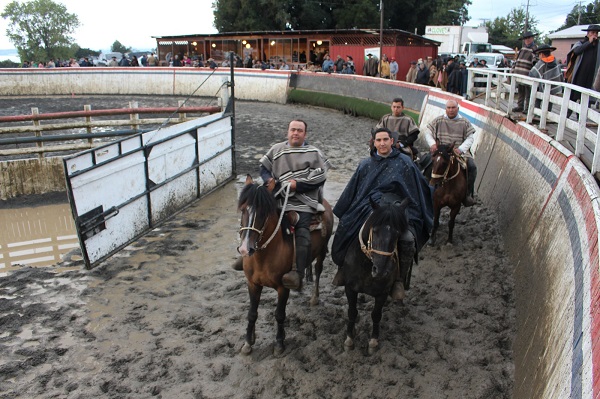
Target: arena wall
{"type": "Point", "coordinates": [547, 202]}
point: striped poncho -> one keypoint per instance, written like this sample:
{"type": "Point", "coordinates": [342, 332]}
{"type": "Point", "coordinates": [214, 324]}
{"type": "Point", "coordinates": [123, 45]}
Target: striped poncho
{"type": "Point", "coordinates": [305, 164]}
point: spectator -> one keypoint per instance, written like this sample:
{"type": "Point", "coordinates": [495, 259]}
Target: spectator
{"type": "Point", "coordinates": [134, 61]}
{"type": "Point", "coordinates": [393, 68]}
{"type": "Point", "coordinates": [385, 68]}
{"type": "Point", "coordinates": [525, 60]}
{"type": "Point", "coordinates": [152, 60]}
{"type": "Point", "coordinates": [370, 66]}
{"type": "Point", "coordinates": [411, 76]}
{"type": "Point", "coordinates": [422, 74]}
{"type": "Point", "coordinates": [582, 62]}
{"type": "Point", "coordinates": [339, 64]}
{"type": "Point", "coordinates": [547, 69]}
{"type": "Point", "coordinates": [143, 60]}
{"type": "Point", "coordinates": [346, 69]}
{"type": "Point", "coordinates": [124, 62]}
{"type": "Point", "coordinates": [113, 62]}
{"type": "Point", "coordinates": [328, 64]}
{"type": "Point", "coordinates": [350, 62]}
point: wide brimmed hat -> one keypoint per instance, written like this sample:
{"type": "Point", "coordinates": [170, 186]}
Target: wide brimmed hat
{"type": "Point", "coordinates": [593, 27]}
{"type": "Point", "coordinates": [544, 48]}
{"type": "Point", "coordinates": [369, 55]}
{"type": "Point", "coordinates": [527, 34]}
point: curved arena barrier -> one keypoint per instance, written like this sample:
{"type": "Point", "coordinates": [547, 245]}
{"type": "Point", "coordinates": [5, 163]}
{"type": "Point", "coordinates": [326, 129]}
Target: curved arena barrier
{"type": "Point", "coordinates": [547, 202]}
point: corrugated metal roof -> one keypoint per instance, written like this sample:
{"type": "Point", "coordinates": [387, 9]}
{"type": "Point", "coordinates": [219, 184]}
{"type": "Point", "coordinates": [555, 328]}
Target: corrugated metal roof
{"type": "Point", "coordinates": [574, 32]}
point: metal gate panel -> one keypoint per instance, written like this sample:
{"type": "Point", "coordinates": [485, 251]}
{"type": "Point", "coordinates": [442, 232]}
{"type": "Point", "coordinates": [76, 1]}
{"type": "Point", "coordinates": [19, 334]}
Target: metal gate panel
{"type": "Point", "coordinates": [122, 189]}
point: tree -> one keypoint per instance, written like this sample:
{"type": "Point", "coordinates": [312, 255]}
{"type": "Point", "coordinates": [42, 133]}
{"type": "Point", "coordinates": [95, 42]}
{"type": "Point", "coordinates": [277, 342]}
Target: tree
{"type": "Point", "coordinates": [508, 30]}
{"type": "Point", "coordinates": [40, 29]}
{"type": "Point", "coordinates": [583, 15]}
{"type": "Point", "coordinates": [117, 47]}
{"type": "Point", "coordinates": [263, 15]}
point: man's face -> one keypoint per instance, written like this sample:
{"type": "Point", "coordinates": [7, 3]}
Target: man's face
{"type": "Point", "coordinates": [296, 134]}
{"type": "Point", "coordinates": [529, 40]}
{"type": "Point", "coordinates": [397, 109]}
{"type": "Point", "coordinates": [383, 142]}
{"type": "Point", "coordinates": [592, 34]}
{"type": "Point", "coordinates": [451, 109]}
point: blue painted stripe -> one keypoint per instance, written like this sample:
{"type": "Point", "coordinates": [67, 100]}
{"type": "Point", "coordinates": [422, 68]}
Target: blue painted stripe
{"type": "Point", "coordinates": [575, 240]}
{"type": "Point", "coordinates": [545, 172]}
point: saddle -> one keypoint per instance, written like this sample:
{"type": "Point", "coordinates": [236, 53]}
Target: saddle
{"type": "Point", "coordinates": [316, 222]}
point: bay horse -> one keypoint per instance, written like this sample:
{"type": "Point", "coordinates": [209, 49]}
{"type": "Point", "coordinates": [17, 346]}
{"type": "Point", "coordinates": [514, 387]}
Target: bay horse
{"type": "Point", "coordinates": [372, 268]}
{"type": "Point", "coordinates": [268, 253]}
{"type": "Point", "coordinates": [449, 179]}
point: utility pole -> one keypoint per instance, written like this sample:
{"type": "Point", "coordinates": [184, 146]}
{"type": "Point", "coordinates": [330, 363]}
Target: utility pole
{"type": "Point", "coordinates": [380, 35]}
{"type": "Point", "coordinates": [527, 17]}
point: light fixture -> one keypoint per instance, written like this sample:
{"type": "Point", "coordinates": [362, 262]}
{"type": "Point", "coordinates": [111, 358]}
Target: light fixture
{"type": "Point", "coordinates": [243, 42]}
{"type": "Point", "coordinates": [214, 45]}
{"type": "Point", "coordinates": [272, 42]}
{"type": "Point", "coordinates": [194, 44]}
{"type": "Point", "coordinates": [247, 45]}
{"type": "Point", "coordinates": [319, 42]}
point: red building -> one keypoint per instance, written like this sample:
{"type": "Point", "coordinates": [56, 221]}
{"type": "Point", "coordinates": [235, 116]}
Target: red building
{"type": "Point", "coordinates": [297, 47]}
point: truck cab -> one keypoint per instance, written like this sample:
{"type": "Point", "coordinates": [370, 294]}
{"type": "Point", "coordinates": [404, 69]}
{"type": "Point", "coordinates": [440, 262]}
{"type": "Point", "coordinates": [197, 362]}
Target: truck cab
{"type": "Point", "coordinates": [470, 48]}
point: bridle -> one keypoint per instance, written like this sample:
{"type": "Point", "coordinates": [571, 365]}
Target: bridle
{"type": "Point", "coordinates": [444, 176]}
{"type": "Point", "coordinates": [262, 230]}
{"type": "Point", "coordinates": [368, 249]}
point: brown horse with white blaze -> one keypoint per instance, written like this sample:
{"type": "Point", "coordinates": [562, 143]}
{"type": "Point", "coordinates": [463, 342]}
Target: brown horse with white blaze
{"type": "Point", "coordinates": [449, 179]}
{"type": "Point", "coordinates": [268, 253]}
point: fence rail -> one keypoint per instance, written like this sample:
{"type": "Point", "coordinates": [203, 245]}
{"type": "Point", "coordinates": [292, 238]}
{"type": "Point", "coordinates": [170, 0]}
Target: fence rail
{"type": "Point", "coordinates": [86, 133]}
{"type": "Point", "coordinates": [550, 113]}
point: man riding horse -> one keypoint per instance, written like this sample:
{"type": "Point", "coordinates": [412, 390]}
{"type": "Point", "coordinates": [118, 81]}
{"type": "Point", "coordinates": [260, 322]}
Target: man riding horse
{"type": "Point", "coordinates": [386, 176]}
{"type": "Point", "coordinates": [449, 129]}
{"type": "Point", "coordinates": [404, 130]}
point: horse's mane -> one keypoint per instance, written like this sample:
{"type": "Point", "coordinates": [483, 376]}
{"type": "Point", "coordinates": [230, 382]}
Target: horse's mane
{"type": "Point", "coordinates": [389, 214]}
{"type": "Point", "coordinates": [260, 198]}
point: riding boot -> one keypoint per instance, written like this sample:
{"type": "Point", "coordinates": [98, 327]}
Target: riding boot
{"type": "Point", "coordinates": [293, 280]}
{"type": "Point", "coordinates": [238, 264]}
{"type": "Point", "coordinates": [406, 251]}
{"type": "Point", "coordinates": [471, 175]}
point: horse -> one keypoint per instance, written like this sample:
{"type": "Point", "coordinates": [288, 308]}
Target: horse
{"type": "Point", "coordinates": [268, 253]}
{"type": "Point", "coordinates": [450, 181]}
{"type": "Point", "coordinates": [372, 268]}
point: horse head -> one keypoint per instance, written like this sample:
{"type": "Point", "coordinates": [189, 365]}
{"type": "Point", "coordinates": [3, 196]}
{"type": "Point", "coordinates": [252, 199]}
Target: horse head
{"type": "Point", "coordinates": [441, 162]}
{"type": "Point", "coordinates": [385, 225]}
{"type": "Point", "coordinates": [259, 211]}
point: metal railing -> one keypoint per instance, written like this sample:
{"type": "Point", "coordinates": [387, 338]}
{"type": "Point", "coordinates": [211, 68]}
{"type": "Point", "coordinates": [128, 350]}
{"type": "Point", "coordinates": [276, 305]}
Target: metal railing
{"type": "Point", "coordinates": [79, 130]}
{"type": "Point", "coordinates": [498, 89]}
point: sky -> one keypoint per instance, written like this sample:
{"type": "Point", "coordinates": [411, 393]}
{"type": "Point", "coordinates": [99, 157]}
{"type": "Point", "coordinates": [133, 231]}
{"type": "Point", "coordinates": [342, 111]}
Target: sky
{"type": "Point", "coordinates": [133, 23]}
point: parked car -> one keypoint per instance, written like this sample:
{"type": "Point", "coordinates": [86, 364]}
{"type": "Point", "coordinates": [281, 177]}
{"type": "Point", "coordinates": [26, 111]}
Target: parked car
{"type": "Point", "coordinates": [104, 58]}
{"type": "Point", "coordinates": [492, 59]}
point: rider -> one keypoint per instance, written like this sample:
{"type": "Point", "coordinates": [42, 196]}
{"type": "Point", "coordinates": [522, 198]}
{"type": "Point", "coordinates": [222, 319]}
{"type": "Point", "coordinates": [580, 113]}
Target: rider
{"type": "Point", "coordinates": [304, 168]}
{"type": "Point", "coordinates": [404, 130]}
{"type": "Point", "coordinates": [387, 170]}
{"type": "Point", "coordinates": [453, 128]}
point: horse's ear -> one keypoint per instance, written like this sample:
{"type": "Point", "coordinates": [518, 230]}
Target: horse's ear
{"type": "Point", "coordinates": [374, 204]}
{"type": "Point", "coordinates": [249, 179]}
{"type": "Point", "coordinates": [271, 185]}
{"type": "Point", "coordinates": [404, 204]}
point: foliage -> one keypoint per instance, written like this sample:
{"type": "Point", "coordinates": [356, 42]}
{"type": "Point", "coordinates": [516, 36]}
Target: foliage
{"type": "Point", "coordinates": [117, 47]}
{"type": "Point", "coordinates": [583, 15]}
{"type": "Point", "coordinates": [40, 29]}
{"type": "Point", "coordinates": [8, 64]}
{"type": "Point", "coordinates": [508, 30]}
{"type": "Point", "coordinates": [84, 52]}
{"type": "Point", "coordinates": [265, 15]}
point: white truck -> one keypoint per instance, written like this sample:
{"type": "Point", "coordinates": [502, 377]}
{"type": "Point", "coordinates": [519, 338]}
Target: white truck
{"type": "Point", "coordinates": [461, 40]}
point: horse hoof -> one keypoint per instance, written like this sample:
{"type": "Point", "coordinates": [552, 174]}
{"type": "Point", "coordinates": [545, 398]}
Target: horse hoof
{"type": "Point", "coordinates": [246, 349]}
{"type": "Point", "coordinates": [278, 349]}
{"type": "Point", "coordinates": [373, 345]}
{"type": "Point", "coordinates": [314, 301]}
{"type": "Point", "coordinates": [348, 343]}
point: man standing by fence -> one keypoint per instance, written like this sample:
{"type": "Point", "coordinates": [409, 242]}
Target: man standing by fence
{"type": "Point", "coordinates": [524, 63]}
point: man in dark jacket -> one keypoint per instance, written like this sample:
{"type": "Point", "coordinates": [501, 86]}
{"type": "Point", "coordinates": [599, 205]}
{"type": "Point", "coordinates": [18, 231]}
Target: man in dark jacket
{"type": "Point", "coordinates": [586, 53]}
{"type": "Point", "coordinates": [385, 171]}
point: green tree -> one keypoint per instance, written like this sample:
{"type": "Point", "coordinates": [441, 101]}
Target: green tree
{"type": "Point", "coordinates": [40, 29]}
{"type": "Point", "coordinates": [508, 30]}
{"type": "Point", "coordinates": [583, 15]}
{"type": "Point", "coordinates": [117, 47]}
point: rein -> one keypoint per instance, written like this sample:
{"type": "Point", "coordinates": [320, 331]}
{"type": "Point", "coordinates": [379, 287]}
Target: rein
{"type": "Point", "coordinates": [368, 249]}
{"type": "Point", "coordinates": [445, 177]}
{"type": "Point", "coordinates": [260, 232]}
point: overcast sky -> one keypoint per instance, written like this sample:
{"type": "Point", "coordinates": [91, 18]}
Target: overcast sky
{"type": "Point", "coordinates": [139, 21]}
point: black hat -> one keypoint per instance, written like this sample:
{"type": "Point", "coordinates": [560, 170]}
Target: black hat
{"type": "Point", "coordinates": [369, 55]}
{"type": "Point", "coordinates": [414, 62]}
{"type": "Point", "coordinates": [544, 48]}
{"type": "Point", "coordinates": [594, 27]}
{"type": "Point", "coordinates": [527, 34]}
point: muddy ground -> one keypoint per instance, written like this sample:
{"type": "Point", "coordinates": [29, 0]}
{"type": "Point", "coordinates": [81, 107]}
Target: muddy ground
{"type": "Point", "coordinates": [165, 317]}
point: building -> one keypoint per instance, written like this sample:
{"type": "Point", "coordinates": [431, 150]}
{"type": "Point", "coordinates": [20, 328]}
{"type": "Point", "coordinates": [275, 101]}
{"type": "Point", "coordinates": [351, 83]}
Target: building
{"type": "Point", "coordinates": [299, 47]}
{"type": "Point", "coordinates": [564, 39]}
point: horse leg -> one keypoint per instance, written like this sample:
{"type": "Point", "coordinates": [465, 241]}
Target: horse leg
{"type": "Point", "coordinates": [436, 223]}
{"type": "Point", "coordinates": [254, 291]}
{"type": "Point", "coordinates": [376, 319]}
{"type": "Point", "coordinates": [352, 297]}
{"type": "Point", "coordinates": [282, 297]}
{"type": "Point", "coordinates": [314, 300]}
{"type": "Point", "coordinates": [453, 212]}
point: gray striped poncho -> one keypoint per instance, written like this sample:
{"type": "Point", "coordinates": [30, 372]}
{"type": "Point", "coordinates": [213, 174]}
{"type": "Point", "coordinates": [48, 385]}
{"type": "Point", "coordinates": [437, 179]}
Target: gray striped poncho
{"type": "Point", "coordinates": [305, 164]}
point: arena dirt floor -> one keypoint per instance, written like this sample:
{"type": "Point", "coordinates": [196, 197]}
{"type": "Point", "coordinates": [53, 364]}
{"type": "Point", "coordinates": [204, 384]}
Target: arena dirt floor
{"type": "Point", "coordinates": [165, 317]}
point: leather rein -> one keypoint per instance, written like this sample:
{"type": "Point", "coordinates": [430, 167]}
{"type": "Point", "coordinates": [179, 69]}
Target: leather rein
{"type": "Point", "coordinates": [368, 249]}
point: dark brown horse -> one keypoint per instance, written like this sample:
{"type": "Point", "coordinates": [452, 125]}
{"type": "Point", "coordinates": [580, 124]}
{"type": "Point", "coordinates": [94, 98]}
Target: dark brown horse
{"type": "Point", "coordinates": [268, 253]}
{"type": "Point", "coordinates": [450, 181]}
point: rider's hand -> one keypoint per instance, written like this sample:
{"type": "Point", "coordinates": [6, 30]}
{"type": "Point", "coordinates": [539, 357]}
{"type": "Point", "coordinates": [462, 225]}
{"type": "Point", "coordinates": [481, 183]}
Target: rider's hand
{"type": "Point", "coordinates": [457, 151]}
{"type": "Point", "coordinates": [292, 185]}
{"type": "Point", "coordinates": [433, 148]}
